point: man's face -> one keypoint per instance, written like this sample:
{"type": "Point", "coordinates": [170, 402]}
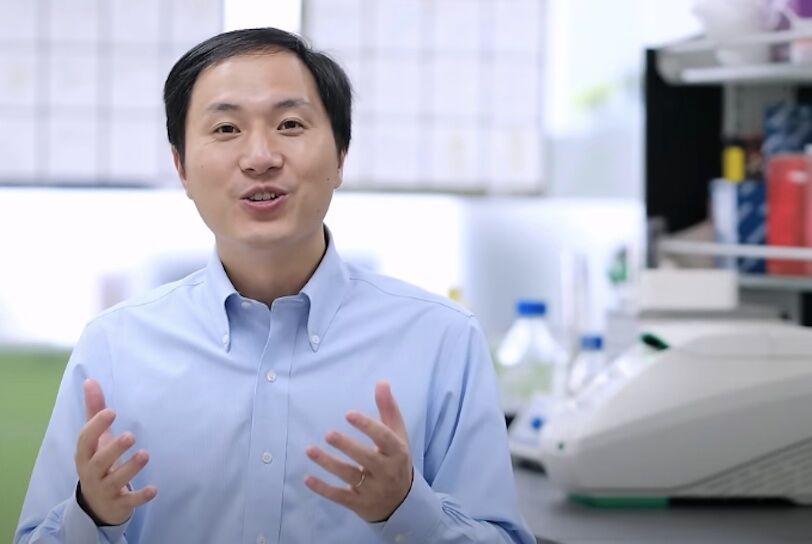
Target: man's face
{"type": "Point", "coordinates": [255, 128]}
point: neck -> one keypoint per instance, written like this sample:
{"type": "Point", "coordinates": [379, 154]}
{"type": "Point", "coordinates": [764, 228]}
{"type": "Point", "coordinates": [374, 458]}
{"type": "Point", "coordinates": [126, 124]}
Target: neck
{"type": "Point", "coordinates": [265, 274]}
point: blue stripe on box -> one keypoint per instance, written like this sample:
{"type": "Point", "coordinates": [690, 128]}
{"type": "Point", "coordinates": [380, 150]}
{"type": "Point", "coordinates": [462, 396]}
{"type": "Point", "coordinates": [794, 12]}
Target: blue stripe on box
{"type": "Point", "coordinates": [751, 223]}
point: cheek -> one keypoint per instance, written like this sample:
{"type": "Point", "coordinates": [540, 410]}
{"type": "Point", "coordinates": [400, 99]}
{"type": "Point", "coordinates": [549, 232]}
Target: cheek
{"type": "Point", "coordinates": [201, 175]}
{"type": "Point", "coordinates": [200, 167]}
{"type": "Point", "coordinates": [319, 194]}
{"type": "Point", "coordinates": [323, 176]}
{"type": "Point", "coordinates": [326, 195]}
{"type": "Point", "coordinates": [203, 190]}
{"type": "Point", "coordinates": [330, 174]}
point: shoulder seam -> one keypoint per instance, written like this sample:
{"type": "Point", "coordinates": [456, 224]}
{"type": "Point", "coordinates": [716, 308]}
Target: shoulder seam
{"type": "Point", "coordinates": [127, 305]}
{"type": "Point", "coordinates": [467, 314]}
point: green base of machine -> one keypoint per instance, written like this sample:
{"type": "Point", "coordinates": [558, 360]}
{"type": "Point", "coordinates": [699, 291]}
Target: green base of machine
{"type": "Point", "coordinates": [621, 502]}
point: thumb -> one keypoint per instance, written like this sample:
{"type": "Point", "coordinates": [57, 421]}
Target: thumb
{"type": "Point", "coordinates": [388, 409]}
{"type": "Point", "coordinates": [94, 398]}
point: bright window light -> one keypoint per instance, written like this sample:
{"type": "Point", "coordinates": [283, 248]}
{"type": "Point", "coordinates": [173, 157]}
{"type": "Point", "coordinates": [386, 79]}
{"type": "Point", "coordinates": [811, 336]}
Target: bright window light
{"type": "Point", "coordinates": [282, 14]}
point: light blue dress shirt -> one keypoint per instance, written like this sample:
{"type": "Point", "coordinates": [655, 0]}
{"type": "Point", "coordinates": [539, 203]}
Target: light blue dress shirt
{"type": "Point", "coordinates": [225, 394]}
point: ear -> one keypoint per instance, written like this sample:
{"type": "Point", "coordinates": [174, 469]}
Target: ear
{"type": "Point", "coordinates": [340, 173]}
{"type": "Point", "coordinates": [181, 170]}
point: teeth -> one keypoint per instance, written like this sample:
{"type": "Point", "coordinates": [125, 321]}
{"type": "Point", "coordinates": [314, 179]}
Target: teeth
{"type": "Point", "coordinates": [262, 196]}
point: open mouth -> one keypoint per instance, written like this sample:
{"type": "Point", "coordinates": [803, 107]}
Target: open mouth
{"type": "Point", "coordinates": [261, 197]}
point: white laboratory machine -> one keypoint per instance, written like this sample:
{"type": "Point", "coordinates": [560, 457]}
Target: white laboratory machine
{"type": "Point", "coordinates": [699, 410]}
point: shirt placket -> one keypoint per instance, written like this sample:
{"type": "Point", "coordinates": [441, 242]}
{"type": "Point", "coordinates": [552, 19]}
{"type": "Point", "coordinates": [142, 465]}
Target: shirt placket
{"type": "Point", "coordinates": [269, 426]}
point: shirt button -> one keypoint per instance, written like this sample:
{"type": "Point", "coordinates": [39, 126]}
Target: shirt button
{"type": "Point", "coordinates": [271, 376]}
{"type": "Point", "coordinates": [400, 537]}
{"type": "Point", "coordinates": [315, 339]}
{"type": "Point", "coordinates": [245, 304]}
{"type": "Point", "coordinates": [225, 338]}
{"type": "Point", "coordinates": [261, 539]}
{"type": "Point", "coordinates": [267, 457]}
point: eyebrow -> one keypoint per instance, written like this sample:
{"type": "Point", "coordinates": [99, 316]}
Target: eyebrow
{"type": "Point", "coordinates": [287, 104]}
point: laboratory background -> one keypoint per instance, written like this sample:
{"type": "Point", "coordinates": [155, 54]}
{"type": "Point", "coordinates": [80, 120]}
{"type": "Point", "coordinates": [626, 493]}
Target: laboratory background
{"type": "Point", "coordinates": [616, 188]}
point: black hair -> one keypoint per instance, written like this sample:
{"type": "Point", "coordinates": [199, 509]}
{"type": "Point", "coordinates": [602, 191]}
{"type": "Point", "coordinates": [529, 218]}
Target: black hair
{"type": "Point", "coordinates": [332, 82]}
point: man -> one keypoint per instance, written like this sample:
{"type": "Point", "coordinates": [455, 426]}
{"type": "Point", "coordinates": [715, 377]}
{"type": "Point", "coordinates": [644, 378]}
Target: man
{"type": "Point", "coordinates": [231, 378]}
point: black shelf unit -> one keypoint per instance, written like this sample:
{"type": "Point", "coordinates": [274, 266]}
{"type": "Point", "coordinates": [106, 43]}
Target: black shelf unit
{"type": "Point", "coordinates": [683, 149]}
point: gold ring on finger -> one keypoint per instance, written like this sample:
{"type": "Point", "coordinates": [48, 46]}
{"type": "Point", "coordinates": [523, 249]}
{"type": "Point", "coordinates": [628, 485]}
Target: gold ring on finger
{"type": "Point", "coordinates": [361, 479]}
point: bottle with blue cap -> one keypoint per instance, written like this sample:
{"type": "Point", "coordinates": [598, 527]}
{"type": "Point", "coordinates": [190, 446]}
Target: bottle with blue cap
{"type": "Point", "coordinates": [589, 362]}
{"type": "Point", "coordinates": [530, 363]}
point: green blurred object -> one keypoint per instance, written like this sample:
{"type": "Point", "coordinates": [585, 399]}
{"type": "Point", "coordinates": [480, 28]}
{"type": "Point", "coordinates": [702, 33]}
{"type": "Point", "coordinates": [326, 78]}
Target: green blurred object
{"type": "Point", "coordinates": [634, 503]}
{"type": "Point", "coordinates": [29, 380]}
{"type": "Point", "coordinates": [654, 341]}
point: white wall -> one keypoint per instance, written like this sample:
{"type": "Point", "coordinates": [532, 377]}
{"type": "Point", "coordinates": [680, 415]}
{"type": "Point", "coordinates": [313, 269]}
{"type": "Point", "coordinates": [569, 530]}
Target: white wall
{"type": "Point", "coordinates": [521, 248]}
{"type": "Point", "coordinates": [594, 84]}
{"type": "Point", "coordinates": [57, 246]}
{"type": "Point", "coordinates": [66, 254]}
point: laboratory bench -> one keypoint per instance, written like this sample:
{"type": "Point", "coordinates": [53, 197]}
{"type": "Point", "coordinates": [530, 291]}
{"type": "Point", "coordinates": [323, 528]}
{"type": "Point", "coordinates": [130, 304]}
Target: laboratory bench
{"type": "Point", "coordinates": [556, 520]}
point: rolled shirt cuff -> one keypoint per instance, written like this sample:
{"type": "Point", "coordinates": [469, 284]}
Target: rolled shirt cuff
{"type": "Point", "coordinates": [416, 520]}
{"type": "Point", "coordinates": [80, 527]}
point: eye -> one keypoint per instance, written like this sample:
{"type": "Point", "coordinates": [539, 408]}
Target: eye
{"type": "Point", "coordinates": [291, 124]}
{"type": "Point", "coordinates": [226, 129]}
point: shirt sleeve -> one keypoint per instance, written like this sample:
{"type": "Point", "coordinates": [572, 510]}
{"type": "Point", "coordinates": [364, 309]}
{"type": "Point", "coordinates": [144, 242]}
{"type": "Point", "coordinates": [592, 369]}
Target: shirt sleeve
{"type": "Point", "coordinates": [466, 493]}
{"type": "Point", "coordinates": [50, 513]}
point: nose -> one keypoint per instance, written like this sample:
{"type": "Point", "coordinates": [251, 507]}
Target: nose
{"type": "Point", "coordinates": [259, 156]}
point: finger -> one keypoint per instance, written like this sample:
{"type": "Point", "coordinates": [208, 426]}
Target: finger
{"type": "Point", "coordinates": [94, 398]}
{"type": "Point", "coordinates": [361, 454]}
{"type": "Point", "coordinates": [106, 438]}
{"type": "Point", "coordinates": [134, 499]}
{"type": "Point", "coordinates": [106, 456]}
{"type": "Point", "coordinates": [94, 403]}
{"type": "Point", "coordinates": [385, 438]}
{"type": "Point", "coordinates": [88, 441]}
{"type": "Point", "coordinates": [349, 473]}
{"type": "Point", "coordinates": [121, 476]}
{"type": "Point", "coordinates": [343, 497]}
{"type": "Point", "coordinates": [388, 409]}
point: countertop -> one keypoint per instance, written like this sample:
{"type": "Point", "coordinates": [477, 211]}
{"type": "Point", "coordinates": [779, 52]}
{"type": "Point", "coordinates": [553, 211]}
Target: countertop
{"type": "Point", "coordinates": [554, 519]}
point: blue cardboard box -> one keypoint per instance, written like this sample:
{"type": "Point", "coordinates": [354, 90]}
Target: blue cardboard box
{"type": "Point", "coordinates": [739, 217]}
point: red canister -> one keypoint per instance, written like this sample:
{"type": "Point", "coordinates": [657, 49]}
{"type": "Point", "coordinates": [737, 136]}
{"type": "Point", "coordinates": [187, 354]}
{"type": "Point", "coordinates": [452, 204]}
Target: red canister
{"type": "Point", "coordinates": [786, 204]}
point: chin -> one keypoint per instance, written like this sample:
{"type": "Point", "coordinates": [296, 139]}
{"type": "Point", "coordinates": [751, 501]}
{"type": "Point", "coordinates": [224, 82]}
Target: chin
{"type": "Point", "coordinates": [268, 238]}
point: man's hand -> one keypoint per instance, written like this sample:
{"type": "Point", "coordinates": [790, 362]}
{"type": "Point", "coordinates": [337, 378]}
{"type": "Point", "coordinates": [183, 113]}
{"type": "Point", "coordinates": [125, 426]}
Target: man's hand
{"type": "Point", "coordinates": [103, 480]}
{"type": "Point", "coordinates": [382, 477]}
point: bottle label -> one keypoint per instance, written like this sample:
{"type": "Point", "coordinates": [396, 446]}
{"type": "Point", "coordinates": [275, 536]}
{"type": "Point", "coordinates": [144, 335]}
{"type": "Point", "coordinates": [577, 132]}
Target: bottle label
{"type": "Point", "coordinates": [520, 383]}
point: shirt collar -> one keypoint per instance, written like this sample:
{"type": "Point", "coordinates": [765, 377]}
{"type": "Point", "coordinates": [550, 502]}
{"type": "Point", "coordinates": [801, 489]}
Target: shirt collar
{"type": "Point", "coordinates": [218, 289]}
{"type": "Point", "coordinates": [325, 290]}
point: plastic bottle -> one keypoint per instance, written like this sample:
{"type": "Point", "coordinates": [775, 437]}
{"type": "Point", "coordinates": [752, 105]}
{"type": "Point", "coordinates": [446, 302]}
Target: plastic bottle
{"type": "Point", "coordinates": [587, 364]}
{"type": "Point", "coordinates": [530, 363]}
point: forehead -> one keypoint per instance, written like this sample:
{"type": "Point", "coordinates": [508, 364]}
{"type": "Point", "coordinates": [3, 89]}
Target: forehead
{"type": "Point", "coordinates": [267, 76]}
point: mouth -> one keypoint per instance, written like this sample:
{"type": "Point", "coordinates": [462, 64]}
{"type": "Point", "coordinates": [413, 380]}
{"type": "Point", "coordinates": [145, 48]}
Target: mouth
{"type": "Point", "coordinates": [263, 201]}
{"type": "Point", "coordinates": [262, 196]}
{"type": "Point", "coordinates": [263, 192]}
